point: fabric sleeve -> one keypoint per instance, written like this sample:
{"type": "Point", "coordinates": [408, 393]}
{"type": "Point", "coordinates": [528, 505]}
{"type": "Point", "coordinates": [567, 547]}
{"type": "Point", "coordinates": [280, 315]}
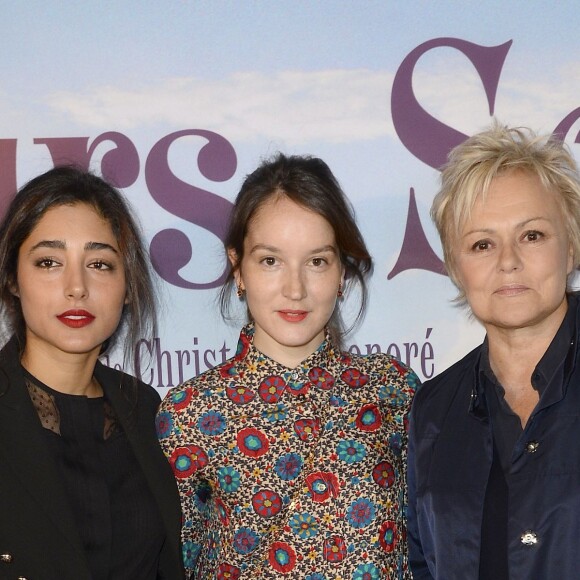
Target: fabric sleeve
{"type": "Point", "coordinates": [398, 386]}
{"type": "Point", "coordinates": [189, 460]}
{"type": "Point", "coordinates": [417, 561]}
{"type": "Point", "coordinates": [411, 383]}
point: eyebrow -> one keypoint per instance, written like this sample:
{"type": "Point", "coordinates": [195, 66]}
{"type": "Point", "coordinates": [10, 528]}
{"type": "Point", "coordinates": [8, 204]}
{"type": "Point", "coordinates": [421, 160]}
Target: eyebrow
{"type": "Point", "coordinates": [519, 225]}
{"type": "Point", "coordinates": [274, 249]}
{"type": "Point", "coordinates": [60, 245]}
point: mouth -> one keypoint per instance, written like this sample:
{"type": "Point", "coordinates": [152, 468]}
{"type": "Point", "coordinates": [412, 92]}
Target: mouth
{"type": "Point", "coordinates": [76, 318]}
{"type": "Point", "coordinates": [511, 289]}
{"type": "Point", "coordinates": [293, 315]}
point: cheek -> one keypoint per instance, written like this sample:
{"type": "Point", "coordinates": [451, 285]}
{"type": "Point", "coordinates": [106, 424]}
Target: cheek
{"type": "Point", "coordinates": [327, 294]}
{"type": "Point", "coordinates": [471, 278]}
{"type": "Point", "coordinates": [28, 292]}
{"type": "Point", "coordinates": [459, 275]}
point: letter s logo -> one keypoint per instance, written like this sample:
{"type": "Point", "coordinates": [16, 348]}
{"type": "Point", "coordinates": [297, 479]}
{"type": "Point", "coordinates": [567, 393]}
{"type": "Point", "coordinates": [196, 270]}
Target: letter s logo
{"type": "Point", "coordinates": [424, 136]}
{"type": "Point", "coordinates": [171, 249]}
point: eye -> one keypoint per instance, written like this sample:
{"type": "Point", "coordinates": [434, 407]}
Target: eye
{"type": "Point", "coordinates": [268, 261]}
{"type": "Point", "coordinates": [45, 263]}
{"type": "Point", "coordinates": [481, 246]}
{"type": "Point", "coordinates": [100, 265]}
{"type": "Point", "coordinates": [319, 262]}
{"type": "Point", "coordinates": [533, 236]}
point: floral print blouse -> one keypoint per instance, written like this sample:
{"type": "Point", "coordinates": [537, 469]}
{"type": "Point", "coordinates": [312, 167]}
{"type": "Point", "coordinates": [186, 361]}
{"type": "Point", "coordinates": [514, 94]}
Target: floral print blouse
{"type": "Point", "coordinates": [292, 472]}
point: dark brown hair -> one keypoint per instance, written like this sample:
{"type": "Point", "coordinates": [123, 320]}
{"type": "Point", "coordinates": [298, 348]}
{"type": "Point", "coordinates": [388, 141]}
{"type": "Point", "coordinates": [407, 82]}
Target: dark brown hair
{"type": "Point", "coordinates": [68, 186]}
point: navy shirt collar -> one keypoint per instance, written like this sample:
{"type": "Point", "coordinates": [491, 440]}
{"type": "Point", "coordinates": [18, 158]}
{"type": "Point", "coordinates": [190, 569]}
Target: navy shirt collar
{"type": "Point", "coordinates": [557, 360]}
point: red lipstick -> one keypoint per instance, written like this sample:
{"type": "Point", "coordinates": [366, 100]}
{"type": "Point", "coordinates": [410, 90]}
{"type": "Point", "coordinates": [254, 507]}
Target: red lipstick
{"type": "Point", "coordinates": [293, 315]}
{"type": "Point", "coordinates": [76, 318]}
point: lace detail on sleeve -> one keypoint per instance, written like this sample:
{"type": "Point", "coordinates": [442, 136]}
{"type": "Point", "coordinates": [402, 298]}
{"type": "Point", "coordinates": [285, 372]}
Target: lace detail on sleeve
{"type": "Point", "coordinates": [45, 406]}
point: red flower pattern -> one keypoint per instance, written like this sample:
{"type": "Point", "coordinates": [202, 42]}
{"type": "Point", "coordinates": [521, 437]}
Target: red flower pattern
{"type": "Point", "coordinates": [282, 557]}
{"type": "Point", "coordinates": [321, 378]}
{"type": "Point", "coordinates": [334, 549]}
{"type": "Point", "coordinates": [322, 485]}
{"type": "Point", "coordinates": [307, 429]}
{"type": "Point", "coordinates": [252, 442]}
{"type": "Point", "coordinates": [388, 537]}
{"type": "Point", "coordinates": [266, 503]}
{"type": "Point", "coordinates": [187, 460]}
{"type": "Point", "coordinates": [271, 389]}
{"type": "Point", "coordinates": [228, 572]}
{"type": "Point", "coordinates": [369, 418]}
{"type": "Point", "coordinates": [354, 378]}
{"type": "Point", "coordinates": [384, 474]}
{"type": "Point", "coordinates": [239, 394]}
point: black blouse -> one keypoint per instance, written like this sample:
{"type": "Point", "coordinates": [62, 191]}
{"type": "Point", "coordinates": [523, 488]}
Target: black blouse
{"type": "Point", "coordinates": [507, 430]}
{"type": "Point", "coordinates": [117, 517]}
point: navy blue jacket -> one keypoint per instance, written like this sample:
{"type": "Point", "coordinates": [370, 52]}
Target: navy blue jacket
{"type": "Point", "coordinates": [450, 456]}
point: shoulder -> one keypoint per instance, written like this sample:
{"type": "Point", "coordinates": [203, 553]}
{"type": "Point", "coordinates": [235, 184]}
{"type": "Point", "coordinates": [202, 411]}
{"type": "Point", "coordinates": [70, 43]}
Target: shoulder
{"type": "Point", "coordinates": [10, 355]}
{"type": "Point", "coordinates": [454, 372]}
{"type": "Point", "coordinates": [113, 379]}
{"type": "Point", "coordinates": [211, 379]}
{"type": "Point", "coordinates": [208, 386]}
{"type": "Point", "coordinates": [437, 393]}
{"type": "Point", "coordinates": [393, 378]}
{"type": "Point", "coordinates": [378, 363]}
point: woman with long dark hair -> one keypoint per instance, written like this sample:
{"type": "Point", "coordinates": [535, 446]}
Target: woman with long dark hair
{"type": "Point", "coordinates": [290, 457]}
{"type": "Point", "coordinates": [85, 492]}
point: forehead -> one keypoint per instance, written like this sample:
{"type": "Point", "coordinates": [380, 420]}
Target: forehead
{"type": "Point", "coordinates": [280, 215]}
{"type": "Point", "coordinates": [75, 220]}
{"type": "Point", "coordinates": [520, 188]}
{"type": "Point", "coordinates": [511, 195]}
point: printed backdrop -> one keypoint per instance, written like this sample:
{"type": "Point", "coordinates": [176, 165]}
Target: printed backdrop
{"type": "Point", "coordinates": [177, 101]}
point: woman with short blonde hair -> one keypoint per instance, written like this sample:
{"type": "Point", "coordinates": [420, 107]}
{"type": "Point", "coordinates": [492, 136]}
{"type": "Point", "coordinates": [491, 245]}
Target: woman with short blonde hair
{"type": "Point", "coordinates": [493, 454]}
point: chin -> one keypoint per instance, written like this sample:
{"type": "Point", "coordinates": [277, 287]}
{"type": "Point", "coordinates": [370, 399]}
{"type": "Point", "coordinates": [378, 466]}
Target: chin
{"type": "Point", "coordinates": [80, 348]}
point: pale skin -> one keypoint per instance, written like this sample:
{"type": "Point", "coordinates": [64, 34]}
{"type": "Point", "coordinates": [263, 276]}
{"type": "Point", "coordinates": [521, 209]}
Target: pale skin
{"type": "Point", "coordinates": [71, 285]}
{"type": "Point", "coordinates": [291, 272]}
{"type": "Point", "coordinates": [513, 259]}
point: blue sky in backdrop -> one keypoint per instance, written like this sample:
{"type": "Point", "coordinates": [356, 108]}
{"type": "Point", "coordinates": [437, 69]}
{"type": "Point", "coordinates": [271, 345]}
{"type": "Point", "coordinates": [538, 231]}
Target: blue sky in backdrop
{"type": "Point", "coordinates": [301, 77]}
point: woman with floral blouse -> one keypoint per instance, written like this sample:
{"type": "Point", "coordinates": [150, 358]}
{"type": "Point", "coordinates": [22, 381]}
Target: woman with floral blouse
{"type": "Point", "coordinates": [290, 457]}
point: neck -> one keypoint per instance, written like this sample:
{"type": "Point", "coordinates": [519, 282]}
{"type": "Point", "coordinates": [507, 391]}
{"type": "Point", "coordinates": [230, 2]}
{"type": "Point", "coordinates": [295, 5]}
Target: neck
{"type": "Point", "coordinates": [289, 356]}
{"type": "Point", "coordinates": [514, 351]}
{"type": "Point", "coordinates": [513, 356]}
{"type": "Point", "coordinates": [68, 373]}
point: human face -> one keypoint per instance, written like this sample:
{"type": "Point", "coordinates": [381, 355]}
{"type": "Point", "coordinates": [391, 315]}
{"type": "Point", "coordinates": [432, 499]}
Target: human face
{"type": "Point", "coordinates": [514, 255]}
{"type": "Point", "coordinates": [71, 283]}
{"type": "Point", "coordinates": [291, 272]}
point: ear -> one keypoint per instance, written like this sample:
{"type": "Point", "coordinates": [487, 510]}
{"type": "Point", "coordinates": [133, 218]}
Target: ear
{"type": "Point", "coordinates": [234, 261]}
{"type": "Point", "coordinates": [233, 258]}
{"type": "Point", "coordinates": [570, 258]}
{"type": "Point", "coordinates": [13, 287]}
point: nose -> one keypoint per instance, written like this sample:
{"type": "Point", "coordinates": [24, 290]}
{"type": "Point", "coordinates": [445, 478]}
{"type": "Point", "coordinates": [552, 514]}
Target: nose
{"type": "Point", "coordinates": [509, 258]}
{"type": "Point", "coordinates": [294, 286]}
{"type": "Point", "coordinates": [75, 283]}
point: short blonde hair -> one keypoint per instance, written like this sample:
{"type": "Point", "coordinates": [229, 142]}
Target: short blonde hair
{"type": "Point", "coordinates": [473, 165]}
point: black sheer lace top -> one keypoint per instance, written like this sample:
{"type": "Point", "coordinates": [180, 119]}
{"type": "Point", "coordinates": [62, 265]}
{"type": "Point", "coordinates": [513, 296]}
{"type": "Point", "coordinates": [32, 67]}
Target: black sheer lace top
{"type": "Point", "coordinates": [117, 517]}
